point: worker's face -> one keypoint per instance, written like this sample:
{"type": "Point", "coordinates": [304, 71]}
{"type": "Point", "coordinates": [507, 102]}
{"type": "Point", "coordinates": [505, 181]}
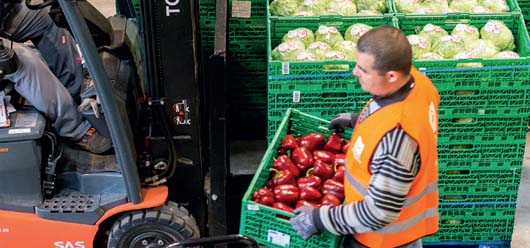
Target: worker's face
{"type": "Point", "coordinates": [371, 80]}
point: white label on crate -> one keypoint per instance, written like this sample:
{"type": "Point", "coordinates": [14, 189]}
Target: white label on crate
{"type": "Point", "coordinates": [241, 9]}
{"type": "Point", "coordinates": [278, 238]}
{"type": "Point", "coordinates": [253, 207]}
{"type": "Point", "coordinates": [296, 96]}
{"type": "Point", "coordinates": [285, 68]}
{"type": "Point", "coordinates": [481, 111]}
{"type": "Point", "coordinates": [19, 131]}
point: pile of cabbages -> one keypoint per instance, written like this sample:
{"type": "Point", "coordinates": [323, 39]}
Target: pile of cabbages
{"type": "Point", "coordinates": [493, 40]}
{"type": "Point", "coordinates": [327, 7]}
{"type": "Point", "coordinates": [449, 6]}
{"type": "Point", "coordinates": [326, 43]}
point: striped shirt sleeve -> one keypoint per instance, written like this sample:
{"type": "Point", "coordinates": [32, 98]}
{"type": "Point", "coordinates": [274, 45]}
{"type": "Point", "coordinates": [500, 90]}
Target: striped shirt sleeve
{"type": "Point", "coordinates": [395, 163]}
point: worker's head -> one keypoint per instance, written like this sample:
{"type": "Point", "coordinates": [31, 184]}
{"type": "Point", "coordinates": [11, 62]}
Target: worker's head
{"type": "Point", "coordinates": [384, 59]}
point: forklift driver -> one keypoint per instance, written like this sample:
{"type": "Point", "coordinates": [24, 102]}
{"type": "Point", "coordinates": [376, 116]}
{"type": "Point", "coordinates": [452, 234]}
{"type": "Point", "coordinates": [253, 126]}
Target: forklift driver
{"type": "Point", "coordinates": [51, 81]}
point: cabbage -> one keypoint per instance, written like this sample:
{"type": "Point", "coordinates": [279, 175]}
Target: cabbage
{"type": "Point", "coordinates": [347, 47]}
{"type": "Point", "coordinates": [376, 5]}
{"type": "Point", "coordinates": [306, 56]}
{"type": "Point", "coordinates": [407, 6]}
{"type": "Point", "coordinates": [466, 55]}
{"type": "Point", "coordinates": [432, 32]}
{"type": "Point", "coordinates": [335, 55]}
{"type": "Point", "coordinates": [463, 5]}
{"type": "Point", "coordinates": [437, 6]}
{"type": "Point", "coordinates": [480, 10]}
{"type": "Point", "coordinates": [304, 13]}
{"type": "Point", "coordinates": [430, 56]}
{"type": "Point", "coordinates": [507, 55]}
{"type": "Point", "coordinates": [495, 5]}
{"type": "Point", "coordinates": [287, 51]}
{"type": "Point", "coordinates": [482, 49]}
{"type": "Point", "coordinates": [419, 45]}
{"type": "Point", "coordinates": [319, 49]}
{"type": "Point", "coordinates": [316, 7]}
{"type": "Point", "coordinates": [283, 7]}
{"type": "Point", "coordinates": [342, 7]}
{"type": "Point", "coordinates": [355, 31]}
{"type": "Point", "coordinates": [468, 33]}
{"type": "Point", "coordinates": [330, 35]}
{"type": "Point", "coordinates": [300, 34]}
{"type": "Point", "coordinates": [424, 10]}
{"type": "Point", "coordinates": [448, 46]}
{"type": "Point", "coordinates": [368, 12]}
{"type": "Point", "coordinates": [497, 32]}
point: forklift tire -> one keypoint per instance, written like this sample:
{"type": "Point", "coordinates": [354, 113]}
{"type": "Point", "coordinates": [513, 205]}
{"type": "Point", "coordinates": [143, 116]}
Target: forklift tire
{"type": "Point", "coordinates": [157, 227]}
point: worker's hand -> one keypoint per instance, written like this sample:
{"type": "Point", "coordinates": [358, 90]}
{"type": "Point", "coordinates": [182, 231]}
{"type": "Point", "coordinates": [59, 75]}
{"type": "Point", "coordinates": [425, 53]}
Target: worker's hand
{"type": "Point", "coordinates": [343, 120]}
{"type": "Point", "coordinates": [303, 222]}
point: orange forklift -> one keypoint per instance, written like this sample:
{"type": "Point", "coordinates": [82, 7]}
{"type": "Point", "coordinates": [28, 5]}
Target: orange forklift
{"type": "Point", "coordinates": [163, 183]}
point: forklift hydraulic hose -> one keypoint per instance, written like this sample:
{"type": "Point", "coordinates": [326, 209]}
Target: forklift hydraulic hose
{"type": "Point", "coordinates": [40, 5]}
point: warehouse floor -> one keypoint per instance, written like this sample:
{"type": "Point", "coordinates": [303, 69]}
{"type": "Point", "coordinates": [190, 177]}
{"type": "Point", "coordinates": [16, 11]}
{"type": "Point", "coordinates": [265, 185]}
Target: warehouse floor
{"type": "Point", "coordinates": [245, 157]}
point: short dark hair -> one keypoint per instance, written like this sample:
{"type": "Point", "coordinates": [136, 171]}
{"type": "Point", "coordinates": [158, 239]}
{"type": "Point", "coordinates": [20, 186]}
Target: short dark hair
{"type": "Point", "coordinates": [390, 48]}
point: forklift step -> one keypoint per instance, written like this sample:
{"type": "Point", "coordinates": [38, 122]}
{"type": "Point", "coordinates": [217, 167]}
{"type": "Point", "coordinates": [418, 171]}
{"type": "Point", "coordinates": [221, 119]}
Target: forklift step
{"type": "Point", "coordinates": [72, 206]}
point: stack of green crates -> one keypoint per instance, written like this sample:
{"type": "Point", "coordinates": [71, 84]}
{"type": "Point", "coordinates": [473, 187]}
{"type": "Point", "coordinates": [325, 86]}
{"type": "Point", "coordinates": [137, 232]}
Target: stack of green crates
{"type": "Point", "coordinates": [483, 120]}
{"type": "Point", "coordinates": [247, 65]}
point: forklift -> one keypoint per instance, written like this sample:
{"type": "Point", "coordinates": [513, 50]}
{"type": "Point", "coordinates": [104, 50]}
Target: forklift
{"type": "Point", "coordinates": [158, 187]}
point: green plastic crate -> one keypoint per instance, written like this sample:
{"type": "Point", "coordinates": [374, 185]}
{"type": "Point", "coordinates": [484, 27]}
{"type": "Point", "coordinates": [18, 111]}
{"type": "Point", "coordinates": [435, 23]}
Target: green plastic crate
{"type": "Point", "coordinates": [482, 164]}
{"type": "Point", "coordinates": [473, 230]}
{"type": "Point", "coordinates": [270, 226]}
{"type": "Point", "coordinates": [464, 152]}
{"type": "Point", "coordinates": [476, 211]}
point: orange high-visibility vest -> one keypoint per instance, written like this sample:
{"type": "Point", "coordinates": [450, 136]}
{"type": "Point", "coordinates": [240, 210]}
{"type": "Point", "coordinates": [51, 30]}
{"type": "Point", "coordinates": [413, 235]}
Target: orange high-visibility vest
{"type": "Point", "coordinates": [417, 115]}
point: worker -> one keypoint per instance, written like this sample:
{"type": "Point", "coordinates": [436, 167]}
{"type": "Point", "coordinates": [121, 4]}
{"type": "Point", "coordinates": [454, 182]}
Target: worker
{"type": "Point", "coordinates": [392, 164]}
{"type": "Point", "coordinates": [51, 85]}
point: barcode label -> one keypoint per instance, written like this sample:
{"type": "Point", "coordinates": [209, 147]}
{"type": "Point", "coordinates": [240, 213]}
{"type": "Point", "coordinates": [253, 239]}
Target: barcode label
{"type": "Point", "coordinates": [285, 68]}
{"type": "Point", "coordinates": [296, 96]}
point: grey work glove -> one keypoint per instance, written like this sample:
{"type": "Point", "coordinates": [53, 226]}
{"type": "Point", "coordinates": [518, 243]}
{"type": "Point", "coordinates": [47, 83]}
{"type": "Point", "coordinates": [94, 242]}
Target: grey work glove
{"type": "Point", "coordinates": [343, 120]}
{"type": "Point", "coordinates": [303, 222]}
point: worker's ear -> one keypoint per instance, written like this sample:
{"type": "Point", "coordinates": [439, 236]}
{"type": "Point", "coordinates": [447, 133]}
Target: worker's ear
{"type": "Point", "coordinates": [392, 76]}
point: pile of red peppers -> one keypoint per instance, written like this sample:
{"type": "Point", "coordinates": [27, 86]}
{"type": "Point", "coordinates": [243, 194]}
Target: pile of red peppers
{"type": "Point", "coordinates": [308, 170]}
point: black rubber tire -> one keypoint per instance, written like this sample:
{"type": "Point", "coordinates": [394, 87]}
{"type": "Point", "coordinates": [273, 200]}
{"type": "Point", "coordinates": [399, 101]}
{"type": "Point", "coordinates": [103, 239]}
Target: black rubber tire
{"type": "Point", "coordinates": [157, 227]}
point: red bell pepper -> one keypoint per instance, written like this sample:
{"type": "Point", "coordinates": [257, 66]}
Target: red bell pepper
{"type": "Point", "coordinates": [312, 141]}
{"type": "Point", "coordinates": [283, 177]}
{"type": "Point", "coordinates": [322, 170]}
{"type": "Point", "coordinates": [325, 156]}
{"type": "Point", "coordinates": [340, 159]}
{"type": "Point", "coordinates": [283, 206]}
{"type": "Point", "coordinates": [310, 194]}
{"type": "Point", "coordinates": [339, 173]}
{"type": "Point", "coordinates": [345, 147]}
{"type": "Point", "coordinates": [306, 203]}
{"type": "Point", "coordinates": [288, 143]}
{"type": "Point", "coordinates": [334, 143]}
{"type": "Point", "coordinates": [286, 193]}
{"type": "Point", "coordinates": [283, 162]}
{"type": "Point", "coordinates": [309, 181]}
{"type": "Point", "coordinates": [302, 158]}
{"type": "Point", "coordinates": [333, 187]}
{"type": "Point", "coordinates": [263, 196]}
{"type": "Point", "coordinates": [330, 200]}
